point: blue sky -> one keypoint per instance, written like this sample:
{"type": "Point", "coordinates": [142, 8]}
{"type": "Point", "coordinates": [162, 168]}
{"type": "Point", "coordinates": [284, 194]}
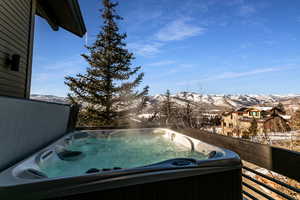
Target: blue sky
{"type": "Point", "coordinates": [206, 46]}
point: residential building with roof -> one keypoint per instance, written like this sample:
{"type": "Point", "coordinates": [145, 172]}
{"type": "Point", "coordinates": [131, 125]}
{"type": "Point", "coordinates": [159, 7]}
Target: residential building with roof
{"type": "Point", "coordinates": [269, 119]}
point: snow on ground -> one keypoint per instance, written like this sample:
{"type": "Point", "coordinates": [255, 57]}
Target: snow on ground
{"type": "Point", "coordinates": [282, 136]}
{"type": "Point", "coordinates": [217, 130]}
{"type": "Point", "coordinates": [145, 116]}
{"type": "Point", "coordinates": [263, 108]}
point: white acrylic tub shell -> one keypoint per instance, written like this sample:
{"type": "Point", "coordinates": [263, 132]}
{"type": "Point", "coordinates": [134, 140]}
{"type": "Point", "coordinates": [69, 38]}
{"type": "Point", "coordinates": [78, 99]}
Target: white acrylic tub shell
{"type": "Point", "coordinates": [11, 180]}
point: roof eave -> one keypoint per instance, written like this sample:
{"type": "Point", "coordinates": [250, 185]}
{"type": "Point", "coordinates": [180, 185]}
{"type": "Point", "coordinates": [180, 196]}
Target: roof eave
{"type": "Point", "coordinates": [74, 23]}
{"type": "Point", "coordinates": [77, 12]}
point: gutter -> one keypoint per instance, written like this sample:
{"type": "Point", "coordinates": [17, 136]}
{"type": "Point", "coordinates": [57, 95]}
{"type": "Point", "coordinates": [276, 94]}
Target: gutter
{"type": "Point", "coordinates": [74, 5]}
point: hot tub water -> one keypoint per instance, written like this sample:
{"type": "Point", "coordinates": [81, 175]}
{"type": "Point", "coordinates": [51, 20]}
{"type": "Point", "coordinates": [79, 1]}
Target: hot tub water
{"type": "Point", "coordinates": [120, 151]}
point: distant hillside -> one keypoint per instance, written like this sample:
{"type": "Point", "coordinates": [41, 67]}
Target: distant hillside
{"type": "Point", "coordinates": [209, 102]}
{"type": "Point", "coordinates": [224, 102]}
{"type": "Point", "coordinates": [49, 98]}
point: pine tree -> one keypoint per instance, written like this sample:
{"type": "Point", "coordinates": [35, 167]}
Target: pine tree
{"type": "Point", "coordinates": [280, 108]}
{"type": "Point", "coordinates": [296, 120]}
{"type": "Point", "coordinates": [167, 110]}
{"type": "Point", "coordinates": [188, 111]}
{"type": "Point", "coordinates": [253, 128]}
{"type": "Point", "coordinates": [105, 90]}
{"type": "Point", "coordinates": [189, 115]}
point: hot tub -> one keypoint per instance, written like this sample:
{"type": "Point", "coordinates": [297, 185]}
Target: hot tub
{"type": "Point", "coordinates": [129, 163]}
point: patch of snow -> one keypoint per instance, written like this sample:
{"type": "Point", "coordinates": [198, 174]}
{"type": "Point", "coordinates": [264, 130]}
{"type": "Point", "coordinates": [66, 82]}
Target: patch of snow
{"type": "Point", "coordinates": [263, 108]}
{"type": "Point", "coordinates": [287, 117]}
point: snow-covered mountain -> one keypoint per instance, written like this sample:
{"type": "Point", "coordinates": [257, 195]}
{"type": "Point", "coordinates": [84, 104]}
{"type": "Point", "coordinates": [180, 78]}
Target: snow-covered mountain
{"type": "Point", "coordinates": [229, 101]}
{"type": "Point", "coordinates": [49, 98]}
{"type": "Point", "coordinates": [209, 101]}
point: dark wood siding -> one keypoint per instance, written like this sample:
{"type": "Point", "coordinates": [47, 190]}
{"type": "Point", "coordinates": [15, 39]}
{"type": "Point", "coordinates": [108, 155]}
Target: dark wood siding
{"type": "Point", "coordinates": [16, 17]}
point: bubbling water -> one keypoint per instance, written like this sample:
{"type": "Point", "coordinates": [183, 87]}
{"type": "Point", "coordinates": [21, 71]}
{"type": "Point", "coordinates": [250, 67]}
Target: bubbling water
{"type": "Point", "coordinates": [122, 151]}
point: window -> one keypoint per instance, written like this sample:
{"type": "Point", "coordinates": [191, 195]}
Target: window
{"type": "Point", "coordinates": [253, 113]}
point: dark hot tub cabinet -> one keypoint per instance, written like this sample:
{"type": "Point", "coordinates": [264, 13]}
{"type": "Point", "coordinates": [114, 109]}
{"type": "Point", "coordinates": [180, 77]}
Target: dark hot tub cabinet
{"type": "Point", "coordinates": [217, 177]}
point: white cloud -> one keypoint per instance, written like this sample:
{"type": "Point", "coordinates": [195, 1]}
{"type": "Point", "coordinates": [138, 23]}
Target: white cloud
{"type": "Point", "coordinates": [161, 63]}
{"type": "Point", "coordinates": [66, 63]}
{"type": "Point", "coordinates": [176, 69]}
{"type": "Point", "coordinates": [147, 49]}
{"type": "Point", "coordinates": [57, 70]}
{"type": "Point", "coordinates": [246, 10]}
{"type": "Point", "coordinates": [42, 76]}
{"type": "Point", "coordinates": [246, 45]}
{"type": "Point", "coordinates": [230, 75]}
{"type": "Point", "coordinates": [234, 2]}
{"type": "Point", "coordinates": [270, 42]}
{"type": "Point", "coordinates": [49, 78]}
{"type": "Point", "coordinates": [142, 15]}
{"type": "Point", "coordinates": [178, 30]}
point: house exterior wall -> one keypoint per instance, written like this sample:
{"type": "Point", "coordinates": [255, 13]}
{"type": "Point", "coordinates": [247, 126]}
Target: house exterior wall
{"type": "Point", "coordinates": [231, 123]}
{"type": "Point", "coordinates": [247, 124]}
{"type": "Point", "coordinates": [226, 129]}
{"type": "Point", "coordinates": [239, 127]}
{"type": "Point", "coordinates": [277, 124]}
{"type": "Point", "coordinates": [16, 37]}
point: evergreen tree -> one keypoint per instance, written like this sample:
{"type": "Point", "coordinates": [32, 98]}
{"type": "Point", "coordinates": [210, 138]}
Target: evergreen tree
{"type": "Point", "coordinates": [296, 120]}
{"type": "Point", "coordinates": [189, 114]}
{"type": "Point", "coordinates": [281, 109]}
{"type": "Point", "coordinates": [105, 89]}
{"type": "Point", "coordinates": [253, 128]}
{"type": "Point", "coordinates": [167, 108]}
{"type": "Point", "coordinates": [188, 111]}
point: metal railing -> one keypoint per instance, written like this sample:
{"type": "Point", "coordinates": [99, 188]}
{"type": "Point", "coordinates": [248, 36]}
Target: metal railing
{"type": "Point", "coordinates": [281, 161]}
{"type": "Point", "coordinates": [258, 192]}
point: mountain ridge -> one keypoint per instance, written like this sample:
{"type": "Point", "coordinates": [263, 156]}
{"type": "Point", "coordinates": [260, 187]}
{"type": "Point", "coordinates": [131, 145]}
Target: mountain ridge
{"type": "Point", "coordinates": [210, 101]}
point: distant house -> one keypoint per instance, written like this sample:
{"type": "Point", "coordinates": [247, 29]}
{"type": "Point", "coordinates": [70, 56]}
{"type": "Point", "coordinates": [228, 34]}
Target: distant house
{"type": "Point", "coordinates": [17, 19]}
{"type": "Point", "coordinates": [269, 119]}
